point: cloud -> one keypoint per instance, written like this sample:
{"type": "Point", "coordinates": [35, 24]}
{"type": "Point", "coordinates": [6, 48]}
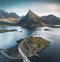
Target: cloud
{"type": "Point", "coordinates": [54, 8]}
{"type": "Point", "coordinates": [56, 1]}
{"type": "Point", "coordinates": [45, 8]}
{"type": "Point", "coordinates": [40, 7]}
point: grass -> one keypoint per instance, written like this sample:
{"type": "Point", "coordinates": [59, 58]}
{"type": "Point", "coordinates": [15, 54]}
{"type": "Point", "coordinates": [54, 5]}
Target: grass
{"type": "Point", "coordinates": [2, 31]}
{"type": "Point", "coordinates": [33, 45]}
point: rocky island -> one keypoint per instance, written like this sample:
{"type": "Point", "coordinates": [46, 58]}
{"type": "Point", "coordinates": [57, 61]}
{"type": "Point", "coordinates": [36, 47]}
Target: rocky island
{"type": "Point", "coordinates": [33, 45]}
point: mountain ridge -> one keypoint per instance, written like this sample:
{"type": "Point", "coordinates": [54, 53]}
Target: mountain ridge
{"type": "Point", "coordinates": [31, 20]}
{"type": "Point", "coordinates": [8, 17]}
{"type": "Point", "coordinates": [51, 19]}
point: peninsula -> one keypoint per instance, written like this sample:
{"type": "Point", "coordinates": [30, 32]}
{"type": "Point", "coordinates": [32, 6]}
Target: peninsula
{"type": "Point", "coordinates": [33, 45]}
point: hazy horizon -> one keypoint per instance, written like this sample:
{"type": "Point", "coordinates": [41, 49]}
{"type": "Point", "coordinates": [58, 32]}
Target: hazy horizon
{"type": "Point", "coordinates": [40, 7]}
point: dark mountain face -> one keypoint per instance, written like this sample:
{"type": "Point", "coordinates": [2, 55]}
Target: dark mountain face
{"type": "Point", "coordinates": [8, 17]}
{"type": "Point", "coordinates": [30, 15]}
{"type": "Point", "coordinates": [4, 14]}
{"type": "Point", "coordinates": [31, 20]}
{"type": "Point", "coordinates": [51, 19]}
{"type": "Point", "coordinates": [14, 15]}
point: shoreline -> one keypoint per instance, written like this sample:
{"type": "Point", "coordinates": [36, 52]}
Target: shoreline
{"type": "Point", "coordinates": [24, 57]}
{"type": "Point", "coordinates": [37, 49]}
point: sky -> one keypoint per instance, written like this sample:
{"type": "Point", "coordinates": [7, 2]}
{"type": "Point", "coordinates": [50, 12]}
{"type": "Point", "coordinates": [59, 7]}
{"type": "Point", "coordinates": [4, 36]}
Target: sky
{"type": "Point", "coordinates": [40, 7]}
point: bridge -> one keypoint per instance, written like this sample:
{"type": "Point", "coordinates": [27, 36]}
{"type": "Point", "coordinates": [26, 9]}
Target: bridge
{"type": "Point", "coordinates": [25, 59]}
{"type": "Point", "coordinates": [23, 56]}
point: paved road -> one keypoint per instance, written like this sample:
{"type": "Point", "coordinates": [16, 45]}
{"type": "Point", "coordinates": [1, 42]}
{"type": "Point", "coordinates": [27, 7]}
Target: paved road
{"type": "Point", "coordinates": [25, 59]}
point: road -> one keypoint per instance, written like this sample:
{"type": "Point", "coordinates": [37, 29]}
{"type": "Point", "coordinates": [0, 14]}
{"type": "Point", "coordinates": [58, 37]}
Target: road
{"type": "Point", "coordinates": [25, 58]}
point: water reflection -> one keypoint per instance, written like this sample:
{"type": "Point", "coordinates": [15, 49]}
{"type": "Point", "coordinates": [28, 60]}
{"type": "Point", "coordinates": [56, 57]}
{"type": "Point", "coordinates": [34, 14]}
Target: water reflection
{"type": "Point", "coordinates": [8, 39]}
{"type": "Point", "coordinates": [52, 53]}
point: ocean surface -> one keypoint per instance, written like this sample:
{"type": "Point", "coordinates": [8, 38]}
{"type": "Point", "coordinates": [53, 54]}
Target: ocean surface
{"type": "Point", "coordinates": [8, 39]}
{"type": "Point", "coordinates": [51, 53]}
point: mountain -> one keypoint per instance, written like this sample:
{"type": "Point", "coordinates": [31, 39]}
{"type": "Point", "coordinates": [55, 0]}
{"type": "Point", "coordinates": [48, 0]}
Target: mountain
{"type": "Point", "coordinates": [8, 17]}
{"type": "Point", "coordinates": [14, 15]}
{"type": "Point", "coordinates": [51, 19]}
{"type": "Point", "coordinates": [31, 20]}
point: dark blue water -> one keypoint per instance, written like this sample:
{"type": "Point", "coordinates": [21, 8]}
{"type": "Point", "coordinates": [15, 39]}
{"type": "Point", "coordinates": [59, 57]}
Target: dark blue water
{"type": "Point", "coordinates": [51, 53]}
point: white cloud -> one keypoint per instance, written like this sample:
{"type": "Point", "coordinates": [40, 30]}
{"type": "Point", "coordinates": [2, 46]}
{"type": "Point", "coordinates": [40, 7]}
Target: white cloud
{"type": "Point", "coordinates": [45, 8]}
{"type": "Point", "coordinates": [38, 7]}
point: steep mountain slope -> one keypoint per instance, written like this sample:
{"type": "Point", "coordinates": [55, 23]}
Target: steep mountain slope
{"type": "Point", "coordinates": [14, 15]}
{"type": "Point", "coordinates": [51, 19]}
{"type": "Point", "coordinates": [8, 17]}
{"type": "Point", "coordinates": [31, 20]}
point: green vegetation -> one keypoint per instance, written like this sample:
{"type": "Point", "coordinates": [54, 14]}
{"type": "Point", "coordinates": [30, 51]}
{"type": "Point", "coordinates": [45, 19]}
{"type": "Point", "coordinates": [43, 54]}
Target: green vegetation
{"type": "Point", "coordinates": [2, 31]}
{"type": "Point", "coordinates": [33, 45]}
